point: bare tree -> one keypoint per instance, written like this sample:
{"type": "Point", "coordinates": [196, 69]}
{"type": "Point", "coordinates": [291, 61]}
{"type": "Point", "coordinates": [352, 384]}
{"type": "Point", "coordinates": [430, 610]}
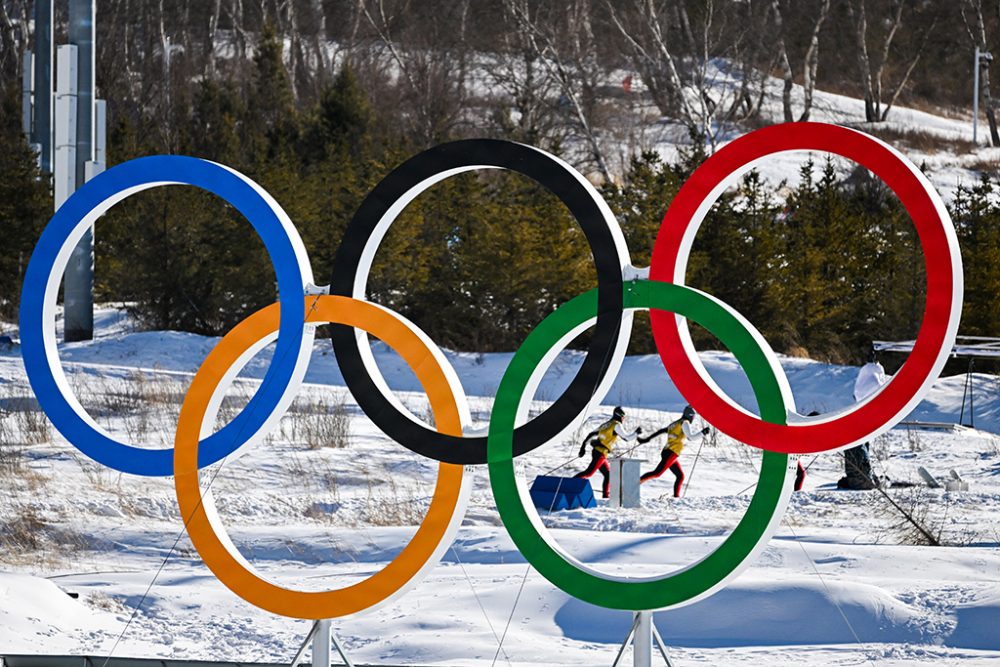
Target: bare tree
{"type": "Point", "coordinates": [810, 61]}
{"type": "Point", "coordinates": [560, 36]}
{"type": "Point", "coordinates": [241, 39]}
{"type": "Point", "coordinates": [976, 27]}
{"type": "Point", "coordinates": [432, 64]}
{"type": "Point", "coordinates": [644, 26]}
{"type": "Point", "coordinates": [873, 71]}
{"type": "Point", "coordinates": [520, 81]}
{"type": "Point", "coordinates": [687, 64]}
{"type": "Point", "coordinates": [752, 45]}
{"type": "Point", "coordinates": [319, 37]}
{"type": "Point", "coordinates": [13, 41]}
{"type": "Point", "coordinates": [210, 37]}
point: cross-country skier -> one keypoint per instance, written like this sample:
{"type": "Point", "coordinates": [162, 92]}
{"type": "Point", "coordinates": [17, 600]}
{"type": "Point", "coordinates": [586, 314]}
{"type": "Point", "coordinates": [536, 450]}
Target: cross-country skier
{"type": "Point", "coordinates": [678, 434]}
{"type": "Point", "coordinates": [602, 440]}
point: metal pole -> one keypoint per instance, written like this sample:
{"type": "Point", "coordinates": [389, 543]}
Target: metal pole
{"type": "Point", "coordinates": [975, 96]}
{"type": "Point", "coordinates": [78, 292]}
{"type": "Point", "coordinates": [972, 395]}
{"type": "Point", "coordinates": [82, 16]}
{"type": "Point", "coordinates": [64, 164]}
{"type": "Point", "coordinates": [321, 644]}
{"type": "Point", "coordinates": [642, 642]}
{"type": "Point", "coordinates": [27, 88]}
{"type": "Point", "coordinates": [41, 133]}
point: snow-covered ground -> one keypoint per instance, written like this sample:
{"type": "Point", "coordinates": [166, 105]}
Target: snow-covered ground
{"type": "Point", "coordinates": [838, 585]}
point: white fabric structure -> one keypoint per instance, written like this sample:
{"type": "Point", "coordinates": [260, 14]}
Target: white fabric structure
{"type": "Point", "coordinates": [870, 378]}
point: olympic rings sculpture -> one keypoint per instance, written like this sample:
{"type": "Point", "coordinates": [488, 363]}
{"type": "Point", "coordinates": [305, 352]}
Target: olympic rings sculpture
{"type": "Point", "coordinates": [622, 288]}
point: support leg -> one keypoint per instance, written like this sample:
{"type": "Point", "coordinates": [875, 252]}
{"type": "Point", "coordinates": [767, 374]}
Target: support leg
{"type": "Point", "coordinates": [642, 642]}
{"type": "Point", "coordinates": [305, 642]}
{"type": "Point", "coordinates": [628, 638]}
{"type": "Point", "coordinates": [321, 644]}
{"type": "Point", "coordinates": [663, 648]}
{"type": "Point", "coordinates": [341, 651]}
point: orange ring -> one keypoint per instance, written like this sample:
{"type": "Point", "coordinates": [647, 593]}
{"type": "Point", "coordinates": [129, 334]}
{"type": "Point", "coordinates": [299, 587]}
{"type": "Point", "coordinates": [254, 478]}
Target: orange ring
{"type": "Point", "coordinates": [432, 538]}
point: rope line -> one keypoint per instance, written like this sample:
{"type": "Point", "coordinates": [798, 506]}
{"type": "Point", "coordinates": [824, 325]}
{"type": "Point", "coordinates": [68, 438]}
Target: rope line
{"type": "Point", "coordinates": [829, 593]}
{"type": "Point", "coordinates": [524, 579]}
{"type": "Point", "coordinates": [180, 533]}
{"type": "Point", "coordinates": [480, 603]}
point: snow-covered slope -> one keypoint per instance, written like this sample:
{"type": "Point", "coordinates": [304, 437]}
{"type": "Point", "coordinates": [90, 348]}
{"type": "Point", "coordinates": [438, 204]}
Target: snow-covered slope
{"type": "Point", "coordinates": [836, 585]}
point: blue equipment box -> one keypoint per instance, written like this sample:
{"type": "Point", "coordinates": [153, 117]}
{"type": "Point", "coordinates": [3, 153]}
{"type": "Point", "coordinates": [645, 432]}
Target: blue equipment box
{"type": "Point", "coordinates": [562, 493]}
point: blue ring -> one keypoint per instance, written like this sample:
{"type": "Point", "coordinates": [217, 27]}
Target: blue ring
{"type": "Point", "coordinates": [148, 171]}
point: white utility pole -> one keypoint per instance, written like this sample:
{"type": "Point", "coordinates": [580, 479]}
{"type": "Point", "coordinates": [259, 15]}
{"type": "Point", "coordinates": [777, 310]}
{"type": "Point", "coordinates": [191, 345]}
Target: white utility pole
{"type": "Point", "coordinates": [64, 164]}
{"type": "Point", "coordinates": [980, 58]}
{"type": "Point", "coordinates": [975, 95]}
{"type": "Point", "coordinates": [642, 643]}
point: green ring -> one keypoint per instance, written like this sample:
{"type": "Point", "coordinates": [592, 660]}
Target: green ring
{"type": "Point", "coordinates": [754, 529]}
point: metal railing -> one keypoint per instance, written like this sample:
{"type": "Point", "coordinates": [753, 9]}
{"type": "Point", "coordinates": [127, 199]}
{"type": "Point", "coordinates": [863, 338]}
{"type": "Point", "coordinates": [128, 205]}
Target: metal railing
{"type": "Point", "coordinates": [98, 661]}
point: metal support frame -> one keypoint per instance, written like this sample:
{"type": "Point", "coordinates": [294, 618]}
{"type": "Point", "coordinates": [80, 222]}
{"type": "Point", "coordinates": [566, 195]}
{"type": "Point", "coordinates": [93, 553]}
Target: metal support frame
{"type": "Point", "coordinates": [78, 294]}
{"type": "Point", "coordinates": [966, 347]}
{"type": "Point", "coordinates": [642, 634]}
{"type": "Point", "coordinates": [321, 636]}
{"type": "Point", "coordinates": [43, 59]}
{"type": "Point", "coordinates": [967, 394]}
{"type": "Point", "coordinates": [27, 94]}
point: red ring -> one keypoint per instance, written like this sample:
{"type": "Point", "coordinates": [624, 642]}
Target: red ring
{"type": "Point", "coordinates": [941, 309]}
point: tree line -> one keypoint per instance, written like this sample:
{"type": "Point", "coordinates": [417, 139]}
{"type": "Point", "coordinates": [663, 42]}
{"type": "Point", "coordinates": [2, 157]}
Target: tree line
{"type": "Point", "coordinates": [821, 266]}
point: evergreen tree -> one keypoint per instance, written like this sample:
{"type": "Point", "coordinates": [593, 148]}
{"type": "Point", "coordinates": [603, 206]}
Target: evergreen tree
{"type": "Point", "coordinates": [977, 217]}
{"type": "Point", "coordinates": [736, 254]}
{"type": "Point", "coordinates": [639, 203]}
{"type": "Point", "coordinates": [271, 128]}
{"type": "Point", "coordinates": [25, 205]}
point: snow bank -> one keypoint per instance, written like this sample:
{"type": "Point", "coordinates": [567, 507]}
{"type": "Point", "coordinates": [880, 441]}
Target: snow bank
{"type": "Point", "coordinates": [754, 612]}
{"type": "Point", "coordinates": [35, 607]}
{"type": "Point", "coordinates": [978, 622]}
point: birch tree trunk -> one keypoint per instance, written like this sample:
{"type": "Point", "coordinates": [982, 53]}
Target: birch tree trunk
{"type": "Point", "coordinates": [812, 62]}
{"type": "Point", "coordinates": [977, 31]}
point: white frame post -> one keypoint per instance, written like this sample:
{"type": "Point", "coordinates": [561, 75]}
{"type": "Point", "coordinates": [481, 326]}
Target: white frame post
{"type": "Point", "coordinates": [64, 165]}
{"type": "Point", "coordinates": [642, 642]}
{"type": "Point", "coordinates": [975, 96]}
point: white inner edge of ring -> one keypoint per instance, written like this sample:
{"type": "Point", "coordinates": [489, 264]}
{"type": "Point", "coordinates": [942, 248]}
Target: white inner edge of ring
{"type": "Point", "coordinates": [51, 293]}
{"type": "Point", "coordinates": [208, 501]}
{"type": "Point", "coordinates": [786, 490]}
{"type": "Point", "coordinates": [376, 238]}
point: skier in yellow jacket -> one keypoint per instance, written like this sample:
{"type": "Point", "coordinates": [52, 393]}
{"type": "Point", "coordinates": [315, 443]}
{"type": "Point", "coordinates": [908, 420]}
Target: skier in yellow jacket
{"type": "Point", "coordinates": [678, 434]}
{"type": "Point", "coordinates": [602, 440]}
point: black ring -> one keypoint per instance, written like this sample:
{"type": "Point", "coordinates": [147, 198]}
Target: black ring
{"type": "Point", "coordinates": [559, 179]}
